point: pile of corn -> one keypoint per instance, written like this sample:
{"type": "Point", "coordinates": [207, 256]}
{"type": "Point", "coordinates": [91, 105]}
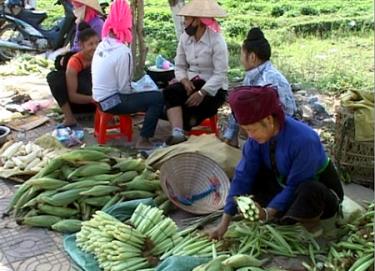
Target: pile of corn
{"type": "Point", "coordinates": [148, 237]}
{"type": "Point", "coordinates": [24, 157]}
{"type": "Point", "coordinates": [355, 251]}
{"type": "Point", "coordinates": [71, 187]}
{"type": "Point", "coordinates": [27, 64]}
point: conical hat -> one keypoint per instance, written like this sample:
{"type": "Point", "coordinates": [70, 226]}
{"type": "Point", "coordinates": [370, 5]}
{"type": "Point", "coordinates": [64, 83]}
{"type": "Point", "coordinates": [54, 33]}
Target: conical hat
{"type": "Point", "coordinates": [202, 8]}
{"type": "Point", "coordinates": [92, 4]}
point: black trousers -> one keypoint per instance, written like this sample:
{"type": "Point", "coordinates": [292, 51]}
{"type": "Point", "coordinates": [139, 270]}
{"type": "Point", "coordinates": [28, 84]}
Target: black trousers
{"type": "Point", "coordinates": [176, 95]}
{"type": "Point", "coordinates": [57, 83]}
{"type": "Point", "coordinates": [316, 198]}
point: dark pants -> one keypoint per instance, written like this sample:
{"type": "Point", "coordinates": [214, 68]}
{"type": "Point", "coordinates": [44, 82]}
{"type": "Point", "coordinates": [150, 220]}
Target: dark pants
{"type": "Point", "coordinates": [176, 95]}
{"type": "Point", "coordinates": [57, 83]}
{"type": "Point", "coordinates": [312, 198]}
{"type": "Point", "coordinates": [150, 102]}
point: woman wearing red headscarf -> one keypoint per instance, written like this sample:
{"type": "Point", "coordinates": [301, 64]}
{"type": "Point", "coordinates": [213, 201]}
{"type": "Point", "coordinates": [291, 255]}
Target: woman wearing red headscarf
{"type": "Point", "coordinates": [284, 165]}
{"type": "Point", "coordinates": [112, 73]}
{"type": "Point", "coordinates": [201, 69]}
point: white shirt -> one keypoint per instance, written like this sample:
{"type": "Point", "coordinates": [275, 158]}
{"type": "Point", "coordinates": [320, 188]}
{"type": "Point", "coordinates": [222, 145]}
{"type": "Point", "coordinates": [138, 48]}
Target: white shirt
{"type": "Point", "coordinates": [111, 69]}
{"type": "Point", "coordinates": [207, 58]}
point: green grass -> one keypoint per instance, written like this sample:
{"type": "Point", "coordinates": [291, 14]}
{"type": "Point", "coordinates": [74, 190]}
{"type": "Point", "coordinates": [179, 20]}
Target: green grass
{"type": "Point", "coordinates": [323, 44]}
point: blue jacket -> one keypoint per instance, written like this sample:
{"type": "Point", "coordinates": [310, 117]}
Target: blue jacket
{"type": "Point", "coordinates": [299, 156]}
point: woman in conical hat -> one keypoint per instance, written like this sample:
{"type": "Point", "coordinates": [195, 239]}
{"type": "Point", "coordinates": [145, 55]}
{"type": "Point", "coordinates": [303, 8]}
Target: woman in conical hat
{"type": "Point", "coordinates": [201, 69]}
{"type": "Point", "coordinates": [88, 11]}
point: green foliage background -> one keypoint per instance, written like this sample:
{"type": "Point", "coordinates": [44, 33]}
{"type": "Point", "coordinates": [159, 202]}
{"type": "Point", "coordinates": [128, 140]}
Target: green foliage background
{"type": "Point", "coordinates": [328, 45]}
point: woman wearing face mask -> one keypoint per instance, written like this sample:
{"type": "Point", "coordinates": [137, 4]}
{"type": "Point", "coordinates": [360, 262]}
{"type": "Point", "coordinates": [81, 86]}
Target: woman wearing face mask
{"type": "Point", "coordinates": [88, 11]}
{"type": "Point", "coordinates": [112, 74]}
{"type": "Point", "coordinates": [201, 69]}
{"type": "Point", "coordinates": [71, 86]}
{"type": "Point", "coordinates": [255, 57]}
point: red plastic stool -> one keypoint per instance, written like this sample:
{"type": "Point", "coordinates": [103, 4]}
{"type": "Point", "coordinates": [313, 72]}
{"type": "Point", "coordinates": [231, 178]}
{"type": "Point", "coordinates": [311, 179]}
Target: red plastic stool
{"type": "Point", "coordinates": [207, 126]}
{"type": "Point", "coordinates": [102, 124]}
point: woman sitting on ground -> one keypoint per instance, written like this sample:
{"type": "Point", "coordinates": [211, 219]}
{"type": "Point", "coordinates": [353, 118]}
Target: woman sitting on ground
{"type": "Point", "coordinates": [71, 86]}
{"type": "Point", "coordinates": [255, 58]}
{"type": "Point", "coordinates": [112, 73]}
{"type": "Point", "coordinates": [201, 69]}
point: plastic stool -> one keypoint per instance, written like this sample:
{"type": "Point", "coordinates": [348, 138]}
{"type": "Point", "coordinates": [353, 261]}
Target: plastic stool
{"type": "Point", "coordinates": [101, 125]}
{"type": "Point", "coordinates": [207, 126]}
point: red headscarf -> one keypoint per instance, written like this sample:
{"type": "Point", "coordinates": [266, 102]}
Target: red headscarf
{"type": "Point", "coordinates": [90, 13]}
{"type": "Point", "coordinates": [252, 104]}
{"type": "Point", "coordinates": [119, 21]}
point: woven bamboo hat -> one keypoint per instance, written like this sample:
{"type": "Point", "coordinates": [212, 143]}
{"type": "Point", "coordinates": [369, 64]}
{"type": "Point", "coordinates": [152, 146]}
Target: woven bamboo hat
{"type": "Point", "coordinates": [92, 4]}
{"type": "Point", "coordinates": [202, 8]}
{"type": "Point", "coordinates": [194, 183]}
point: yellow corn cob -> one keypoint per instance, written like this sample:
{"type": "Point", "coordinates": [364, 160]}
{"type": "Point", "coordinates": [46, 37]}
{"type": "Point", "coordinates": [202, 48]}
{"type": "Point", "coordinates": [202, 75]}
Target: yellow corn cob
{"type": "Point", "coordinates": [44, 221]}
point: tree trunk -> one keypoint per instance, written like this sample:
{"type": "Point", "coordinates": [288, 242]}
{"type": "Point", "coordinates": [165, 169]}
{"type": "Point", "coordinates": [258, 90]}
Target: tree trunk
{"type": "Point", "coordinates": [175, 6]}
{"type": "Point", "coordinates": [139, 49]}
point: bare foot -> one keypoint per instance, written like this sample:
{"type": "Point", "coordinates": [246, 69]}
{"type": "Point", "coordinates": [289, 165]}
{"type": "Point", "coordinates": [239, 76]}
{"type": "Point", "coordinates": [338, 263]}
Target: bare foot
{"type": "Point", "coordinates": [143, 143]}
{"type": "Point", "coordinates": [70, 122]}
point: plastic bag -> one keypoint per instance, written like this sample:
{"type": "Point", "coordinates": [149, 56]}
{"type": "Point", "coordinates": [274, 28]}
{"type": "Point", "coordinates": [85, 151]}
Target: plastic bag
{"type": "Point", "coordinates": [69, 137]}
{"type": "Point", "coordinates": [144, 84]}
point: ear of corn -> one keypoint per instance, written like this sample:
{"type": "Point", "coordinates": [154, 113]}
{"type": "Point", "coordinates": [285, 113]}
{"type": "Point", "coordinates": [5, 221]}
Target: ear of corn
{"type": "Point", "coordinates": [90, 170]}
{"type": "Point", "coordinates": [47, 183]}
{"type": "Point", "coordinates": [97, 201]}
{"type": "Point", "coordinates": [100, 190]}
{"type": "Point", "coordinates": [136, 194]}
{"type": "Point", "coordinates": [51, 167]}
{"type": "Point", "coordinates": [44, 221]}
{"type": "Point", "coordinates": [125, 177]}
{"type": "Point", "coordinates": [64, 198]}
{"type": "Point", "coordinates": [130, 164]}
{"type": "Point", "coordinates": [67, 225]}
{"type": "Point", "coordinates": [82, 184]}
{"type": "Point", "coordinates": [57, 211]}
{"type": "Point", "coordinates": [83, 155]}
{"type": "Point", "coordinates": [141, 184]}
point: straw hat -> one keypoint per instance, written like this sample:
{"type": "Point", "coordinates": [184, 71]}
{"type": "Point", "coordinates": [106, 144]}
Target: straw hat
{"type": "Point", "coordinates": [92, 4]}
{"type": "Point", "coordinates": [202, 8]}
{"type": "Point", "coordinates": [194, 183]}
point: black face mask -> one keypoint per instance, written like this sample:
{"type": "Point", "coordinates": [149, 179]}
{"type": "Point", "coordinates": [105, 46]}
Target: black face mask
{"type": "Point", "coordinates": [191, 30]}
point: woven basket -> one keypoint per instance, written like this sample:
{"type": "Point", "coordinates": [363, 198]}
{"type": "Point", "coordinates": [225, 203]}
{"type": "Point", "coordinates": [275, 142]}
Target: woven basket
{"type": "Point", "coordinates": [190, 174]}
{"type": "Point", "coordinates": [355, 158]}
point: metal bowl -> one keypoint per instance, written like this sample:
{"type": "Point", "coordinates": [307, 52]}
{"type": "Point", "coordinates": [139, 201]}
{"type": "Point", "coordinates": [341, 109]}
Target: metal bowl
{"type": "Point", "coordinates": [4, 132]}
